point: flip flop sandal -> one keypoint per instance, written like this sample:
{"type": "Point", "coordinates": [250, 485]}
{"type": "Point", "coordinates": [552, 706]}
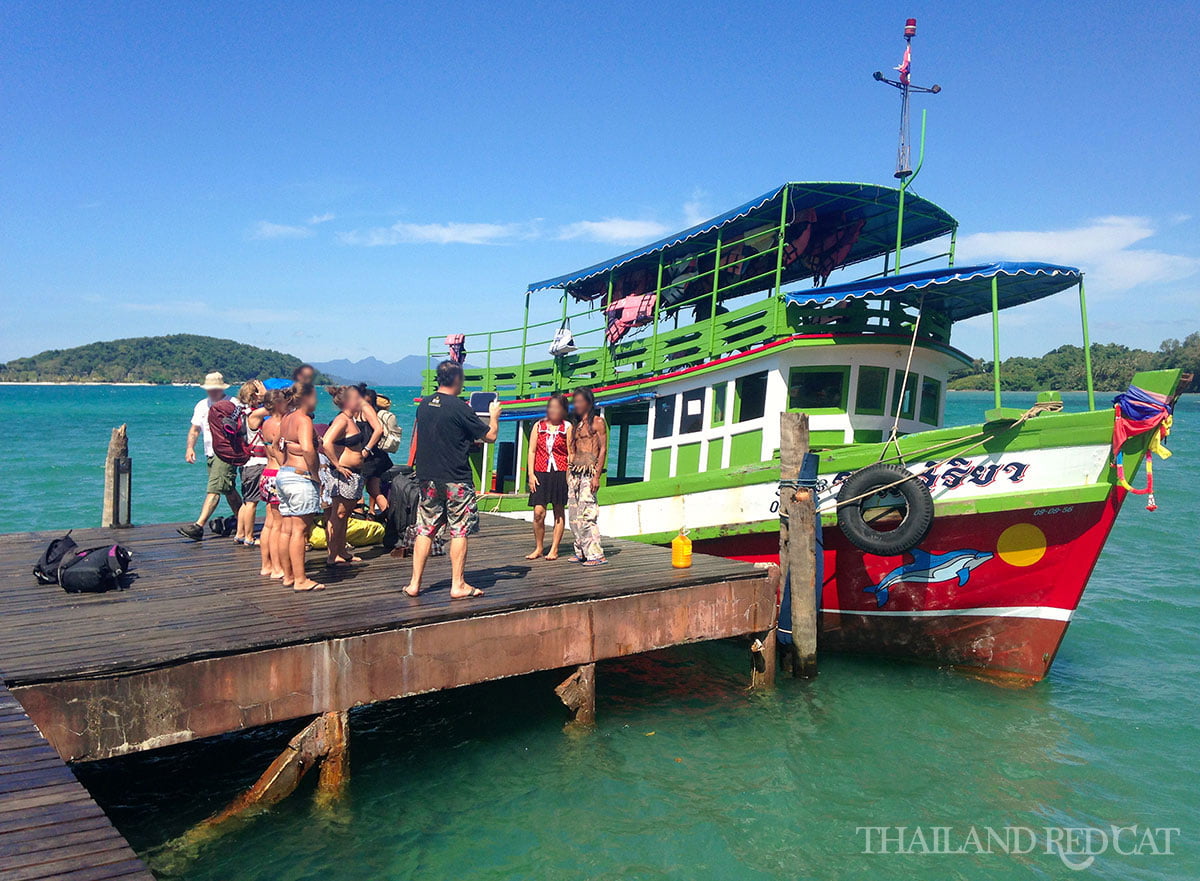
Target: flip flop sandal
{"type": "Point", "coordinates": [575, 559]}
{"type": "Point", "coordinates": [600, 562]}
{"type": "Point", "coordinates": [472, 595]}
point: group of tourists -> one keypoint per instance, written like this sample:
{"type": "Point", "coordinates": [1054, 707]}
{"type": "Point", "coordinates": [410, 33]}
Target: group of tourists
{"type": "Point", "coordinates": [265, 443]}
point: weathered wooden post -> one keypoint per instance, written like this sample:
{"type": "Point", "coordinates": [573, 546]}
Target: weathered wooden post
{"type": "Point", "coordinates": [578, 694]}
{"type": "Point", "coordinates": [764, 647]}
{"type": "Point", "coordinates": [798, 542]}
{"type": "Point", "coordinates": [118, 480]}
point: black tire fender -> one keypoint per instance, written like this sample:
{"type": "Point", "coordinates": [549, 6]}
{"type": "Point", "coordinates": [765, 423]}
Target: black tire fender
{"type": "Point", "coordinates": [861, 485]}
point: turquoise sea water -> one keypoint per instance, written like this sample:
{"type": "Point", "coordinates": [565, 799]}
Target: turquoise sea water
{"type": "Point", "coordinates": [686, 775]}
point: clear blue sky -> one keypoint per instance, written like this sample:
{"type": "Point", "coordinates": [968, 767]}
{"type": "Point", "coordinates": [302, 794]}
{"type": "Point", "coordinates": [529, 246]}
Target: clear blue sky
{"type": "Point", "coordinates": [339, 180]}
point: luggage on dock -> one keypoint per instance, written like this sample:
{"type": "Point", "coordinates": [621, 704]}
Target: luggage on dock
{"type": "Point", "coordinates": [94, 570]}
{"type": "Point", "coordinates": [46, 569]}
{"type": "Point", "coordinates": [360, 533]}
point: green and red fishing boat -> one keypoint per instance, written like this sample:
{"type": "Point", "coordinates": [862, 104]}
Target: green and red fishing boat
{"type": "Point", "coordinates": [977, 556]}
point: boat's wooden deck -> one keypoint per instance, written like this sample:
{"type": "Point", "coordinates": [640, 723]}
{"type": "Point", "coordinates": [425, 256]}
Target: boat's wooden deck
{"type": "Point", "coordinates": [193, 600]}
{"type": "Point", "coordinates": [49, 826]}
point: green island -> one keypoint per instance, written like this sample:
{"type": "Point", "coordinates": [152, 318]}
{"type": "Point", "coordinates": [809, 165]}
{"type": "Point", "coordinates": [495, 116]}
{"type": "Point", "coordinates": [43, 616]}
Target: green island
{"type": "Point", "coordinates": [1062, 369]}
{"type": "Point", "coordinates": [175, 358]}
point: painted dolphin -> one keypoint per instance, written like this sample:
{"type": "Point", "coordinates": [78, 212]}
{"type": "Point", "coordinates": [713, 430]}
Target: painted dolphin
{"type": "Point", "coordinates": [929, 568]}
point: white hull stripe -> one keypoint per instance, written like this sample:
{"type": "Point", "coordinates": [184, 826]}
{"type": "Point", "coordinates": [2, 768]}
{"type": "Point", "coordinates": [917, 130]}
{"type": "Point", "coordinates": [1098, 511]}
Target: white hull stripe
{"type": "Point", "coordinates": [1049, 613]}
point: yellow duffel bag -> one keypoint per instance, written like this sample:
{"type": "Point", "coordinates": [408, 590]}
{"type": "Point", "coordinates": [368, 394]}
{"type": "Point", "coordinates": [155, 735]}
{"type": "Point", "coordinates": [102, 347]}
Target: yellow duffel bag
{"type": "Point", "coordinates": [359, 533]}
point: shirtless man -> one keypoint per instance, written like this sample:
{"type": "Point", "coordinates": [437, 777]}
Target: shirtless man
{"type": "Point", "coordinates": [588, 454]}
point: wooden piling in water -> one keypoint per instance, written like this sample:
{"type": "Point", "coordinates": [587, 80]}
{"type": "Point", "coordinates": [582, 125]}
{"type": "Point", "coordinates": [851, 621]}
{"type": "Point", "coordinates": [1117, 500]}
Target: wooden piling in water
{"type": "Point", "coordinates": [118, 481]}
{"type": "Point", "coordinates": [797, 542]}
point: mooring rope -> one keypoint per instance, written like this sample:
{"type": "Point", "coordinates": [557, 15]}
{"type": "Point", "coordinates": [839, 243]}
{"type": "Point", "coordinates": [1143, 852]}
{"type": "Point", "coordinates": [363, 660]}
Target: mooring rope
{"type": "Point", "coordinates": [1039, 407]}
{"type": "Point", "coordinates": [893, 436]}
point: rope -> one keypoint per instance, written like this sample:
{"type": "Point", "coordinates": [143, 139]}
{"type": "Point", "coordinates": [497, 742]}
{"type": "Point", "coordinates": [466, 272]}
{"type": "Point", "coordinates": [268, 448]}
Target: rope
{"type": "Point", "coordinates": [893, 436]}
{"type": "Point", "coordinates": [1039, 407]}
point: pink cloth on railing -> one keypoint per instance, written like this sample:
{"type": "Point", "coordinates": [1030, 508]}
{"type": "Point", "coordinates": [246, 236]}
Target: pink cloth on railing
{"type": "Point", "coordinates": [830, 245]}
{"type": "Point", "coordinates": [457, 344]}
{"type": "Point", "coordinates": [626, 314]}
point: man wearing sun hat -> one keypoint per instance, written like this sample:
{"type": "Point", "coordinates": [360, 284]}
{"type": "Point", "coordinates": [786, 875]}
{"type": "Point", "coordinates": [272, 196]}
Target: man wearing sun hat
{"type": "Point", "coordinates": [222, 476]}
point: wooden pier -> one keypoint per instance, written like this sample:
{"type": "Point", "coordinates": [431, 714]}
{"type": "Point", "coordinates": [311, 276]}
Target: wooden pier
{"type": "Point", "coordinates": [49, 825]}
{"type": "Point", "coordinates": [201, 645]}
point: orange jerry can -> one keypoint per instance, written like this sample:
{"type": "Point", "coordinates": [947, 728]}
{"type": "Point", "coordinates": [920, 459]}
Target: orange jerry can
{"type": "Point", "coordinates": [681, 551]}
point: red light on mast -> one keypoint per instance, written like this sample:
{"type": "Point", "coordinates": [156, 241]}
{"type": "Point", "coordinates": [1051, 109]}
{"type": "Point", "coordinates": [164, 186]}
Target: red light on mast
{"type": "Point", "coordinates": [910, 28]}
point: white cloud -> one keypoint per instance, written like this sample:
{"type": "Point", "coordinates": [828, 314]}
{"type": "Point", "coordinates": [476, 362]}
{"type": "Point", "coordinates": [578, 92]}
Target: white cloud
{"type": "Point", "coordinates": [1103, 248]}
{"type": "Point", "coordinates": [439, 234]}
{"type": "Point", "coordinates": [321, 218]}
{"type": "Point", "coordinates": [614, 230]}
{"type": "Point", "coordinates": [264, 229]}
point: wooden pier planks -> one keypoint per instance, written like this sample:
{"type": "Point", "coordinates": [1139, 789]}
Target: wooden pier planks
{"type": "Point", "coordinates": [49, 826]}
{"type": "Point", "coordinates": [201, 600]}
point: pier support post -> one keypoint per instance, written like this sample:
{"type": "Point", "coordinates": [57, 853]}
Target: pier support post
{"type": "Point", "coordinates": [118, 474]}
{"type": "Point", "coordinates": [797, 542]}
{"type": "Point", "coordinates": [764, 646]}
{"type": "Point", "coordinates": [335, 763]}
{"type": "Point", "coordinates": [324, 742]}
{"type": "Point", "coordinates": [578, 693]}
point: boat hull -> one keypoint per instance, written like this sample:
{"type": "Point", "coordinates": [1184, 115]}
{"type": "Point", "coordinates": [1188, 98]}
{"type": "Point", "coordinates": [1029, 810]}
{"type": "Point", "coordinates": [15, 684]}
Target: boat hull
{"type": "Point", "coordinates": [994, 592]}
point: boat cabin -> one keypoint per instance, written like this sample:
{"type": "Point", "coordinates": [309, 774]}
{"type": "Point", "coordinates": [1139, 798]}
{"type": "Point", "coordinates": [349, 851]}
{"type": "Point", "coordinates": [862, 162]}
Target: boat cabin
{"type": "Point", "coordinates": [694, 344]}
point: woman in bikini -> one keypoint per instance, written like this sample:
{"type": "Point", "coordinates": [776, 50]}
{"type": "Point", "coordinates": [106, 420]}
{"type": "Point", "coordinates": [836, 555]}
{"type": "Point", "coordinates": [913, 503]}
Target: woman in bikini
{"type": "Point", "coordinates": [549, 461]}
{"type": "Point", "coordinates": [265, 420]}
{"type": "Point", "coordinates": [298, 485]}
{"type": "Point", "coordinates": [348, 443]}
{"type": "Point", "coordinates": [588, 448]}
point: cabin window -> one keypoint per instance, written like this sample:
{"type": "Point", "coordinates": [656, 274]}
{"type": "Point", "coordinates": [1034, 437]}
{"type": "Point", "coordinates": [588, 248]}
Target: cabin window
{"type": "Point", "coordinates": [908, 405]}
{"type": "Point", "coordinates": [627, 441]}
{"type": "Point", "coordinates": [931, 400]}
{"type": "Point", "coordinates": [871, 399]}
{"type": "Point", "coordinates": [818, 388]}
{"type": "Point", "coordinates": [718, 403]}
{"type": "Point", "coordinates": [664, 416]}
{"type": "Point", "coordinates": [691, 419]}
{"type": "Point", "coordinates": [750, 393]}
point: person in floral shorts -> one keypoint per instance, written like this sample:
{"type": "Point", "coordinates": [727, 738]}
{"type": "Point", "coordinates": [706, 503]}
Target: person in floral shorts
{"type": "Point", "coordinates": [446, 431]}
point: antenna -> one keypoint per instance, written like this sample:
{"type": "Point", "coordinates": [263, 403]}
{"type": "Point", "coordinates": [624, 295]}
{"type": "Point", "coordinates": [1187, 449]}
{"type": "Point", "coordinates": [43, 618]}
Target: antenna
{"type": "Point", "coordinates": [904, 84]}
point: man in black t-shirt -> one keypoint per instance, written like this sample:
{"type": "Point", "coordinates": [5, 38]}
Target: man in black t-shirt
{"type": "Point", "coordinates": [447, 428]}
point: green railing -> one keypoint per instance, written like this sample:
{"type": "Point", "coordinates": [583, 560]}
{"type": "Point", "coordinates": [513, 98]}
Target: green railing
{"type": "Point", "coordinates": [665, 347]}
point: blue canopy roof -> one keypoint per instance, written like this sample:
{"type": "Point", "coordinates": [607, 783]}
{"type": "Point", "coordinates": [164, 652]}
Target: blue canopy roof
{"type": "Point", "coordinates": [877, 206]}
{"type": "Point", "coordinates": [959, 291]}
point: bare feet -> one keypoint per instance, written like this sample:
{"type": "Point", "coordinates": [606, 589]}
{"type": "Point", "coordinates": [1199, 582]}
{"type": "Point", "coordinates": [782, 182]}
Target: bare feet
{"type": "Point", "coordinates": [413, 590]}
{"type": "Point", "coordinates": [465, 592]}
{"type": "Point", "coordinates": [278, 576]}
{"type": "Point", "coordinates": [536, 555]}
{"type": "Point", "coordinates": [553, 555]}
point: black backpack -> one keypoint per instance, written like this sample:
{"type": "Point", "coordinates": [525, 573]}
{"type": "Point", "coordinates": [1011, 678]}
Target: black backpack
{"type": "Point", "coordinates": [46, 570]}
{"type": "Point", "coordinates": [223, 526]}
{"type": "Point", "coordinates": [94, 570]}
{"type": "Point", "coordinates": [403, 498]}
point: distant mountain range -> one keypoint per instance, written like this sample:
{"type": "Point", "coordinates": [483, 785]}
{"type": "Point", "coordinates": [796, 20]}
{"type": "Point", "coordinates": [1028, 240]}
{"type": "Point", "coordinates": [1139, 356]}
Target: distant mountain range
{"type": "Point", "coordinates": [406, 371]}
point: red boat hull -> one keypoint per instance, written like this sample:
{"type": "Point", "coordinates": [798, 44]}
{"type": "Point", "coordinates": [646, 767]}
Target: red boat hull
{"type": "Point", "coordinates": [992, 592]}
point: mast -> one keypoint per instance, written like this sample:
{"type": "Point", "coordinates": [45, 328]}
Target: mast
{"type": "Point", "coordinates": [904, 170]}
{"type": "Point", "coordinates": [906, 87]}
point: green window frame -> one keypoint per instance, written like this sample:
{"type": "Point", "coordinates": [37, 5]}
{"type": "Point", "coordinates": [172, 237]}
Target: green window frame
{"type": "Point", "coordinates": [931, 400]}
{"type": "Point", "coordinates": [833, 375]}
{"type": "Point", "coordinates": [720, 393]}
{"type": "Point", "coordinates": [750, 397]}
{"type": "Point", "coordinates": [870, 396]}
{"type": "Point", "coordinates": [908, 407]}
